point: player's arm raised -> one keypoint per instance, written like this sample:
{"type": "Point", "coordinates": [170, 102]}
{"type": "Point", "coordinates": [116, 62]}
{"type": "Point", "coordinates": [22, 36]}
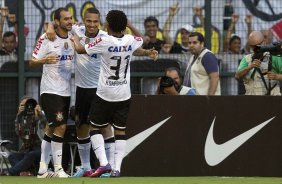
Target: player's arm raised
{"type": "Point", "coordinates": [50, 31]}
{"type": "Point", "coordinates": [152, 53]}
{"type": "Point", "coordinates": [79, 48]}
{"type": "Point", "coordinates": [135, 31]}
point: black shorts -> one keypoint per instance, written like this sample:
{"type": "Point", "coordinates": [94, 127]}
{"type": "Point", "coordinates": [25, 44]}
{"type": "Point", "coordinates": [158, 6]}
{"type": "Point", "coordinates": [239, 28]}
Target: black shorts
{"type": "Point", "coordinates": [56, 108]}
{"type": "Point", "coordinates": [105, 112]}
{"type": "Point", "coordinates": [84, 101]}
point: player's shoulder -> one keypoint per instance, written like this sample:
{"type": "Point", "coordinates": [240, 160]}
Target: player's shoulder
{"type": "Point", "coordinates": [102, 33]}
{"type": "Point", "coordinates": [43, 39]}
{"type": "Point", "coordinates": [102, 41]}
{"type": "Point", "coordinates": [41, 43]}
{"type": "Point", "coordinates": [134, 38]}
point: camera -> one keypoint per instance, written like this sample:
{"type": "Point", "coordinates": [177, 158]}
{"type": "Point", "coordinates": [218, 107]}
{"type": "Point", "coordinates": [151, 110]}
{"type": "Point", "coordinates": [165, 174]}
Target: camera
{"type": "Point", "coordinates": [166, 82]}
{"type": "Point", "coordinates": [26, 119]}
{"type": "Point", "coordinates": [29, 107]}
{"type": "Point", "coordinates": [273, 49]}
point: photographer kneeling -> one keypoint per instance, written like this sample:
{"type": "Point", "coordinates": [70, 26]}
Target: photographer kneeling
{"type": "Point", "coordinates": [260, 70]}
{"type": "Point", "coordinates": [28, 122]}
{"type": "Point", "coordinates": [171, 84]}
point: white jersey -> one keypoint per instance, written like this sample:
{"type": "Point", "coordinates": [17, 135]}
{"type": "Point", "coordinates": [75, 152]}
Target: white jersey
{"type": "Point", "coordinates": [87, 67]}
{"type": "Point", "coordinates": [55, 77]}
{"type": "Point", "coordinates": [116, 53]}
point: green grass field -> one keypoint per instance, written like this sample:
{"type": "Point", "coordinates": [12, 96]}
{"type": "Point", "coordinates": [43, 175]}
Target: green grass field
{"type": "Point", "coordinates": [143, 180]}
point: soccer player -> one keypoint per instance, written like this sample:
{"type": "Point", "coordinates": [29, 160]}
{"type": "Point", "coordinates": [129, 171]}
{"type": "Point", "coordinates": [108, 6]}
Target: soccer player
{"type": "Point", "coordinates": [86, 79]}
{"type": "Point", "coordinates": [57, 58]}
{"type": "Point", "coordinates": [87, 69]}
{"type": "Point", "coordinates": [113, 101]}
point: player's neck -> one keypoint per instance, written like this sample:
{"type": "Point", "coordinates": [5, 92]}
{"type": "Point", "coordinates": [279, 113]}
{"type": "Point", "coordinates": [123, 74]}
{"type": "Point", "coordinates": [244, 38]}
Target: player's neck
{"type": "Point", "coordinates": [115, 34]}
{"type": "Point", "coordinates": [62, 33]}
{"type": "Point", "coordinates": [91, 35]}
{"type": "Point", "coordinates": [118, 35]}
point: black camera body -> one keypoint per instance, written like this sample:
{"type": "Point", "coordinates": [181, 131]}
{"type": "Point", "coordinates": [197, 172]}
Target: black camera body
{"type": "Point", "coordinates": [260, 51]}
{"type": "Point", "coordinates": [274, 49]}
{"type": "Point", "coordinates": [26, 120]}
{"type": "Point", "coordinates": [29, 107]}
{"type": "Point", "coordinates": [166, 82]}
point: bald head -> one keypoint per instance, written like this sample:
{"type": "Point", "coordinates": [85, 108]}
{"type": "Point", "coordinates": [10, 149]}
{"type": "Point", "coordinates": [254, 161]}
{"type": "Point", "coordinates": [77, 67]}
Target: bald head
{"type": "Point", "coordinates": [255, 38]}
{"type": "Point", "coordinates": [268, 36]}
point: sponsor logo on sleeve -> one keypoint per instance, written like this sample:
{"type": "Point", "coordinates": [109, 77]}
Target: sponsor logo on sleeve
{"type": "Point", "coordinates": [38, 45]}
{"type": "Point", "coordinates": [95, 42]}
{"type": "Point", "coordinates": [138, 38]}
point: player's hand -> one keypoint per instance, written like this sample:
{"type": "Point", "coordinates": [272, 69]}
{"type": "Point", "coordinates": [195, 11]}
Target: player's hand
{"type": "Point", "coordinates": [50, 32]}
{"type": "Point", "coordinates": [75, 38]}
{"type": "Point", "coordinates": [153, 54]}
{"type": "Point", "coordinates": [51, 59]}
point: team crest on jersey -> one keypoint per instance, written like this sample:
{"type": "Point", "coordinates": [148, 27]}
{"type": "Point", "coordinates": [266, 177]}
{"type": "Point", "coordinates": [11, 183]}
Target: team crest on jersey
{"type": "Point", "coordinates": [87, 40]}
{"type": "Point", "coordinates": [66, 45]}
{"type": "Point", "coordinates": [59, 116]}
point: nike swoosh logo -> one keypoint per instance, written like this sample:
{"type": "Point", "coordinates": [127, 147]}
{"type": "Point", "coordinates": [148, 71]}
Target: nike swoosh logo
{"type": "Point", "coordinates": [134, 141]}
{"type": "Point", "coordinates": [216, 153]}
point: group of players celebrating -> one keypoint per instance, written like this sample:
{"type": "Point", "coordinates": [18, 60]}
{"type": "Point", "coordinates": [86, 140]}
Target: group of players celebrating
{"type": "Point", "coordinates": [102, 79]}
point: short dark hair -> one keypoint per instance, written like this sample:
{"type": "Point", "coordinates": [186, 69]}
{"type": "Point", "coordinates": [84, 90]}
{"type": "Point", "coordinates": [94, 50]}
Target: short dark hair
{"type": "Point", "coordinates": [200, 37]}
{"type": "Point", "coordinates": [233, 38]}
{"type": "Point", "coordinates": [8, 34]}
{"type": "Point", "coordinates": [174, 69]}
{"type": "Point", "coordinates": [57, 13]}
{"type": "Point", "coordinates": [117, 20]}
{"type": "Point", "coordinates": [91, 10]}
{"type": "Point", "coordinates": [151, 19]}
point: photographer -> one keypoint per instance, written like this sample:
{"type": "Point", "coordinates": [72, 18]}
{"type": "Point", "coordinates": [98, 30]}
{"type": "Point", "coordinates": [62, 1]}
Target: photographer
{"type": "Point", "coordinates": [260, 71]}
{"type": "Point", "coordinates": [28, 122]}
{"type": "Point", "coordinates": [171, 84]}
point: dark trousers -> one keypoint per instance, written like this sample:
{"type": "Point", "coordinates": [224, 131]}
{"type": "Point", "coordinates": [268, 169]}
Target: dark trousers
{"type": "Point", "coordinates": [23, 161]}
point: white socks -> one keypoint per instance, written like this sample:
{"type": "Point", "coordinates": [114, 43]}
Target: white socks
{"type": "Point", "coordinates": [45, 154]}
{"type": "Point", "coordinates": [57, 150]}
{"type": "Point", "coordinates": [120, 146]}
{"type": "Point", "coordinates": [110, 150]}
{"type": "Point", "coordinates": [98, 145]}
{"type": "Point", "coordinates": [84, 146]}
